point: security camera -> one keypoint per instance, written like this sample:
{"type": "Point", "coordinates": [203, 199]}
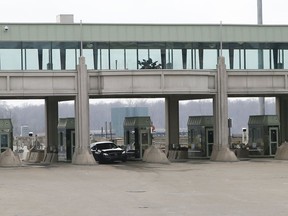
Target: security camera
{"type": "Point", "coordinates": [6, 28]}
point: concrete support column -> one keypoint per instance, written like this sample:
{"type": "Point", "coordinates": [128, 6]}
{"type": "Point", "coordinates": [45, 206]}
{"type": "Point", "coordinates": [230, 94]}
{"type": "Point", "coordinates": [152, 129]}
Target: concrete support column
{"type": "Point", "coordinates": [82, 154]}
{"type": "Point", "coordinates": [171, 121]}
{"type": "Point", "coordinates": [281, 110]}
{"type": "Point", "coordinates": [221, 151]}
{"type": "Point", "coordinates": [51, 116]}
{"type": "Point", "coordinates": [51, 109]}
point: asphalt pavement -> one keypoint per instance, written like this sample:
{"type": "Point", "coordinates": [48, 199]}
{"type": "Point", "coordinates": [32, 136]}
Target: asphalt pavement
{"type": "Point", "coordinates": [254, 187]}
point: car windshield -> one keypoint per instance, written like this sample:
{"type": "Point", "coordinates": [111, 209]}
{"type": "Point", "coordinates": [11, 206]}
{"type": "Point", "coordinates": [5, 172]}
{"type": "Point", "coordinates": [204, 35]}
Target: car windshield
{"type": "Point", "coordinates": [106, 146]}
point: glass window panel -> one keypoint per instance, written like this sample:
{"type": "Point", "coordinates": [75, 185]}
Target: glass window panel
{"type": "Point", "coordinates": [31, 60]}
{"type": "Point", "coordinates": [251, 59]}
{"type": "Point", "coordinates": [225, 54]}
{"type": "Point", "coordinates": [285, 59]}
{"type": "Point", "coordinates": [239, 59]}
{"type": "Point", "coordinates": [210, 137]}
{"type": "Point", "coordinates": [131, 59]}
{"type": "Point", "coordinates": [71, 59]}
{"type": "Point", "coordinates": [143, 54]}
{"type": "Point", "coordinates": [267, 60]}
{"type": "Point", "coordinates": [103, 59]}
{"type": "Point", "coordinates": [4, 140]}
{"type": "Point", "coordinates": [56, 59]}
{"type": "Point", "coordinates": [280, 64]}
{"type": "Point", "coordinates": [177, 59]}
{"type": "Point", "coordinates": [10, 59]}
{"type": "Point", "coordinates": [77, 56]}
{"type": "Point", "coordinates": [209, 59]}
{"type": "Point", "coordinates": [169, 59]}
{"type": "Point", "coordinates": [195, 59]}
{"type": "Point", "coordinates": [117, 59]}
{"type": "Point", "coordinates": [46, 60]}
{"type": "Point", "coordinates": [88, 54]}
{"type": "Point", "coordinates": [155, 55]}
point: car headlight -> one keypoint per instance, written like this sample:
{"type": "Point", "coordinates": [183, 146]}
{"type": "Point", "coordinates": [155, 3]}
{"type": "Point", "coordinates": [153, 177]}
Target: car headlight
{"type": "Point", "coordinates": [124, 152]}
{"type": "Point", "coordinates": [105, 154]}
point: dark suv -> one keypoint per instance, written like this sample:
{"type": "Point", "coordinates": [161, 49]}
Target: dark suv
{"type": "Point", "coordinates": [106, 151]}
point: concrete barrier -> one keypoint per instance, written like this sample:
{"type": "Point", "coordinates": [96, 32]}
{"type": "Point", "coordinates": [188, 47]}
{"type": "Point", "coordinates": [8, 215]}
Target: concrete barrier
{"type": "Point", "coordinates": [282, 152]}
{"type": "Point", "coordinates": [50, 158]}
{"type": "Point", "coordinates": [9, 158]}
{"type": "Point", "coordinates": [36, 156]}
{"type": "Point", "coordinates": [155, 155]}
{"type": "Point", "coordinates": [177, 155]}
{"type": "Point", "coordinates": [223, 155]}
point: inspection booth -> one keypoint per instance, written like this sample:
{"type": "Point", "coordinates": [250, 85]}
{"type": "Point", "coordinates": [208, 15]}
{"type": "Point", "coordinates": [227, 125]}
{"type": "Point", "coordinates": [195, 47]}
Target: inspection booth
{"type": "Point", "coordinates": [263, 134]}
{"type": "Point", "coordinates": [200, 136]}
{"type": "Point", "coordinates": [66, 139]}
{"type": "Point", "coordinates": [137, 135]}
{"type": "Point", "coordinates": [6, 134]}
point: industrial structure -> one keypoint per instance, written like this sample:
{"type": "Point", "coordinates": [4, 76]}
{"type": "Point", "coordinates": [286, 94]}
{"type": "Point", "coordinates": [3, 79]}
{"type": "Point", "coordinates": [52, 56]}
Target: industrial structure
{"type": "Point", "coordinates": [74, 61]}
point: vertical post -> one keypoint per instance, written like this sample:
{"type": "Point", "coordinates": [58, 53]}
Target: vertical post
{"type": "Point", "coordinates": [106, 130]}
{"type": "Point", "coordinates": [81, 38]}
{"type": "Point", "coordinates": [171, 122]}
{"type": "Point", "coordinates": [221, 151]}
{"type": "Point", "coordinates": [82, 154]}
{"type": "Point", "coordinates": [259, 12]}
{"type": "Point", "coordinates": [110, 128]}
{"type": "Point", "coordinates": [221, 39]}
{"type": "Point", "coordinates": [230, 136]}
{"type": "Point", "coordinates": [260, 54]}
{"type": "Point", "coordinates": [51, 109]}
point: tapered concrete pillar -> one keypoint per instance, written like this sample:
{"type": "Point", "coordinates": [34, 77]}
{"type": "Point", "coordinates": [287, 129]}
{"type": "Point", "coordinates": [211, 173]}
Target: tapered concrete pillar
{"type": "Point", "coordinates": [171, 122]}
{"type": "Point", "coordinates": [281, 111]}
{"type": "Point", "coordinates": [82, 154]}
{"type": "Point", "coordinates": [221, 151]}
{"type": "Point", "coordinates": [51, 115]}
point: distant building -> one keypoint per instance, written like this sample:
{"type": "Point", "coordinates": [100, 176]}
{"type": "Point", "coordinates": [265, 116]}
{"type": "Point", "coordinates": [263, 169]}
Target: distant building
{"type": "Point", "coordinates": [24, 131]}
{"type": "Point", "coordinates": [118, 115]}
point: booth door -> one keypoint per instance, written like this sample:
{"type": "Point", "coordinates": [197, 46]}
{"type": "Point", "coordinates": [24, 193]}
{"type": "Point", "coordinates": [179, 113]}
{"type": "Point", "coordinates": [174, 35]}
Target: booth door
{"type": "Point", "coordinates": [4, 142]}
{"type": "Point", "coordinates": [209, 141]}
{"type": "Point", "coordinates": [72, 143]}
{"type": "Point", "coordinates": [273, 140]}
{"type": "Point", "coordinates": [144, 141]}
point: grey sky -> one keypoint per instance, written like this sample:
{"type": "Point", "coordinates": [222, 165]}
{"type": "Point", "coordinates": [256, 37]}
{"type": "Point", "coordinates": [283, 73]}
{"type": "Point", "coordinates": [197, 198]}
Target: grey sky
{"type": "Point", "coordinates": [145, 11]}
